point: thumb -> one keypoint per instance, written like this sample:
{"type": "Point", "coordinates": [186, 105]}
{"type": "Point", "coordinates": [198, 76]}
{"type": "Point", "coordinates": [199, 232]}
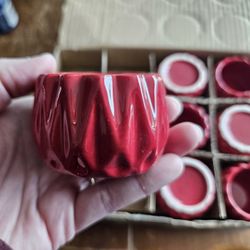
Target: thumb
{"type": "Point", "coordinates": [18, 75]}
{"type": "Point", "coordinates": [95, 202]}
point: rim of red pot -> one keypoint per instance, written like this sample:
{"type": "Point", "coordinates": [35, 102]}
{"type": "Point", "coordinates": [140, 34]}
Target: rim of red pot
{"type": "Point", "coordinates": [234, 171]}
{"type": "Point", "coordinates": [173, 203]}
{"type": "Point", "coordinates": [221, 81]}
{"type": "Point", "coordinates": [225, 130]}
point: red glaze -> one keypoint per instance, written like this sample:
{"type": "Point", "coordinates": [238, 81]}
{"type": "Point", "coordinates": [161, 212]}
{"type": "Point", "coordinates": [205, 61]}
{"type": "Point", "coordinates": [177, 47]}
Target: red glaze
{"type": "Point", "coordinates": [191, 195]}
{"type": "Point", "coordinates": [195, 114]}
{"type": "Point", "coordinates": [232, 75]}
{"type": "Point", "coordinates": [236, 187]}
{"type": "Point", "coordinates": [238, 126]}
{"type": "Point", "coordinates": [94, 124]}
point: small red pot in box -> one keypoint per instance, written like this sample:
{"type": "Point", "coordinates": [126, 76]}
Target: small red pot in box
{"type": "Point", "coordinates": [232, 75]}
{"type": "Point", "coordinates": [184, 74]}
{"type": "Point", "coordinates": [191, 195]}
{"type": "Point", "coordinates": [234, 130]}
{"type": "Point", "coordinates": [94, 124]}
{"type": "Point", "coordinates": [236, 187]}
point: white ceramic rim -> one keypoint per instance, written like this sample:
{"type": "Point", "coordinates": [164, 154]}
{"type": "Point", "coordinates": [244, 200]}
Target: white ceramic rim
{"type": "Point", "coordinates": [175, 204]}
{"type": "Point", "coordinates": [199, 84]}
{"type": "Point", "coordinates": [225, 130]}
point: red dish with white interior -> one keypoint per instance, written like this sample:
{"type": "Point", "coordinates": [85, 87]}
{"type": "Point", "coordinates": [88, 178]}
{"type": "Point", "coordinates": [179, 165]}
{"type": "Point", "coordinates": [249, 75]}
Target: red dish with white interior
{"type": "Point", "coordinates": [184, 74]}
{"type": "Point", "coordinates": [191, 195]}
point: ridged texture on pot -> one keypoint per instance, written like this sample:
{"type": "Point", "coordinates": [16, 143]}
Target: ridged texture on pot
{"type": "Point", "coordinates": [94, 124]}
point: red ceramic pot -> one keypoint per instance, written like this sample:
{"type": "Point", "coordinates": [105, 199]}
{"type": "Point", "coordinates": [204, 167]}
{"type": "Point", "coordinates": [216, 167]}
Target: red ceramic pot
{"type": "Point", "coordinates": [197, 115]}
{"type": "Point", "coordinates": [236, 188]}
{"type": "Point", "coordinates": [233, 130]}
{"type": "Point", "coordinates": [94, 124]}
{"type": "Point", "coordinates": [191, 195]}
{"type": "Point", "coordinates": [184, 74]}
{"type": "Point", "coordinates": [232, 75]}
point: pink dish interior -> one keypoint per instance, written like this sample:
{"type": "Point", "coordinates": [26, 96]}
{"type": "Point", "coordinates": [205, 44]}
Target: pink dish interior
{"type": "Point", "coordinates": [239, 125]}
{"type": "Point", "coordinates": [183, 73]}
{"type": "Point", "coordinates": [190, 188]}
{"type": "Point", "coordinates": [237, 75]}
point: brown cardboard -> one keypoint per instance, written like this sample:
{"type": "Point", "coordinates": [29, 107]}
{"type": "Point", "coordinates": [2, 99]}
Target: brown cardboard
{"type": "Point", "coordinates": [113, 35]}
{"type": "Point", "coordinates": [153, 237]}
{"type": "Point", "coordinates": [111, 236]}
{"type": "Point", "coordinates": [84, 60]}
{"type": "Point", "coordinates": [37, 30]}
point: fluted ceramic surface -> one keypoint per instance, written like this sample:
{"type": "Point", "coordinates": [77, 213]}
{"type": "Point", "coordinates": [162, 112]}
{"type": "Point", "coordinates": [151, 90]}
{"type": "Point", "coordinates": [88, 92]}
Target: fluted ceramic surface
{"type": "Point", "coordinates": [94, 124]}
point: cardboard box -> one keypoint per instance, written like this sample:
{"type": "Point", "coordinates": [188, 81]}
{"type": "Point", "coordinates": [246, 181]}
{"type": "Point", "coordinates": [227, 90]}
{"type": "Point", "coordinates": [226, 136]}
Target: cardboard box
{"type": "Point", "coordinates": [120, 35]}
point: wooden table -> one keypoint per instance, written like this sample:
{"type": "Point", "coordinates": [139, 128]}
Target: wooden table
{"type": "Point", "coordinates": [37, 31]}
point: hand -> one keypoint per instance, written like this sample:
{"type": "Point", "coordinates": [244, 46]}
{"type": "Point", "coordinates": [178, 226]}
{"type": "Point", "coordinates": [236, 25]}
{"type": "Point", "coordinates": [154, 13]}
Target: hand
{"type": "Point", "coordinates": [42, 209]}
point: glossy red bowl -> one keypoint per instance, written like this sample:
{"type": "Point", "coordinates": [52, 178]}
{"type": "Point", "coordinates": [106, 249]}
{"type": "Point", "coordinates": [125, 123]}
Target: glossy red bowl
{"type": "Point", "coordinates": [233, 129]}
{"type": "Point", "coordinates": [100, 124]}
{"type": "Point", "coordinates": [191, 195]}
{"type": "Point", "coordinates": [236, 187]}
{"type": "Point", "coordinates": [197, 115]}
{"type": "Point", "coordinates": [232, 75]}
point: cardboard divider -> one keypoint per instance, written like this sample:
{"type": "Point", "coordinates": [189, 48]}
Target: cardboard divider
{"type": "Point", "coordinates": [201, 153]}
{"type": "Point", "coordinates": [148, 60]}
{"type": "Point", "coordinates": [211, 82]}
{"type": "Point", "coordinates": [152, 62]}
{"type": "Point", "coordinates": [213, 139]}
{"type": "Point", "coordinates": [230, 157]}
{"type": "Point", "coordinates": [128, 60]}
{"type": "Point", "coordinates": [80, 60]}
{"type": "Point", "coordinates": [104, 61]}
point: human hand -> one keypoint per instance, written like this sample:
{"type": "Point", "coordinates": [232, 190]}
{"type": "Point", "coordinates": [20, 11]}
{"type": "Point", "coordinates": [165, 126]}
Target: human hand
{"type": "Point", "coordinates": [42, 209]}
